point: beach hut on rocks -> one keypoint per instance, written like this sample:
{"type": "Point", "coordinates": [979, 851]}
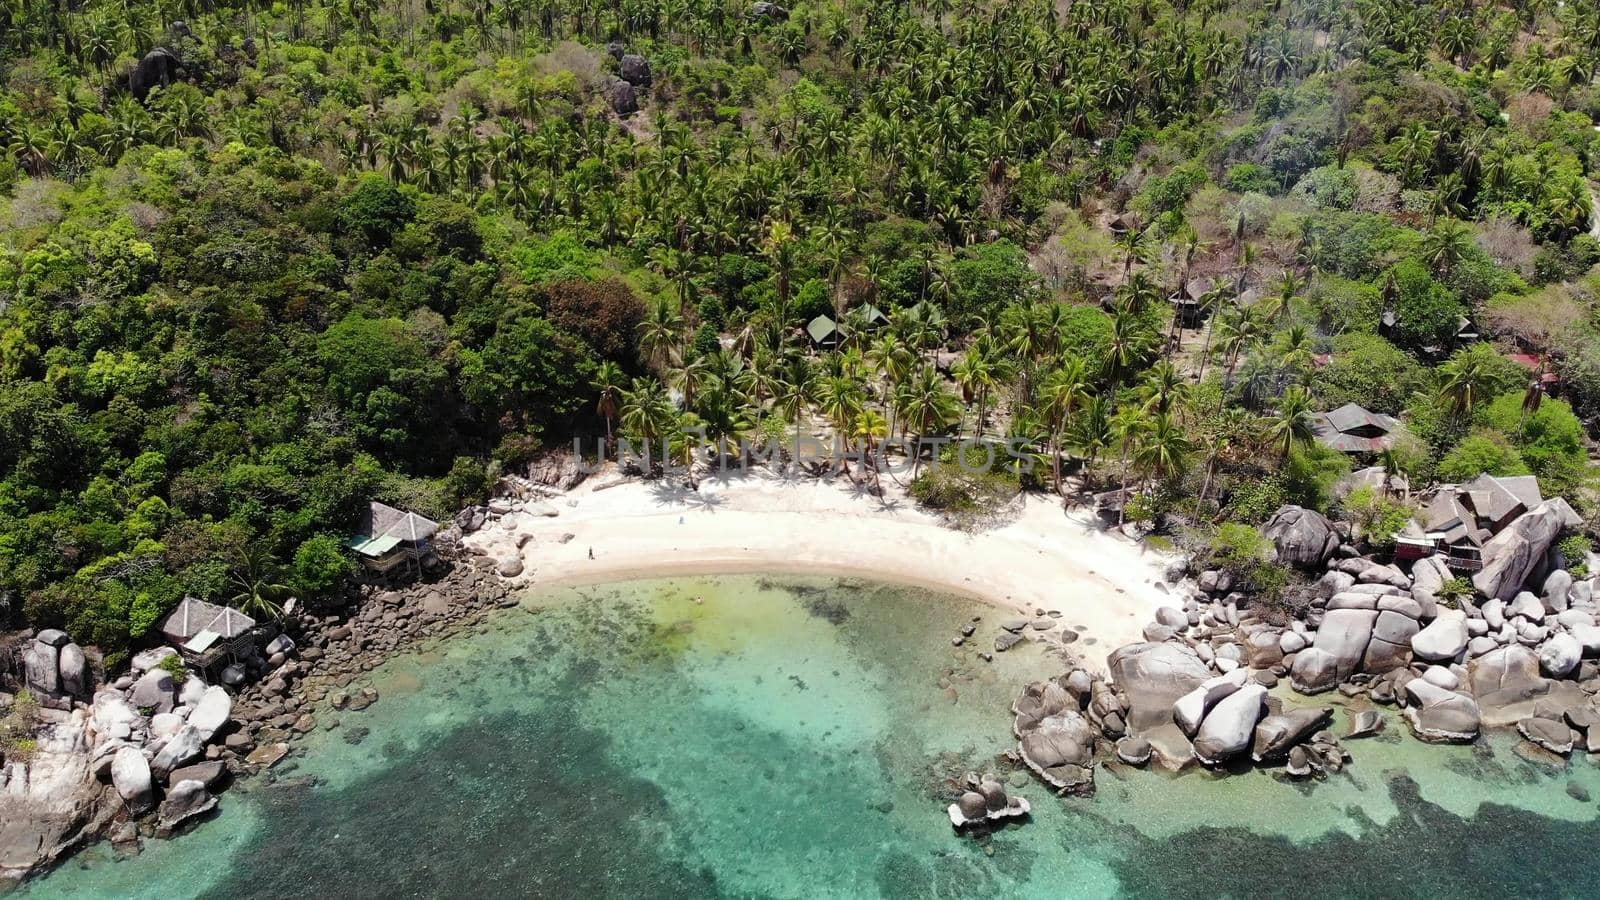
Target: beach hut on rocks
{"type": "Point", "coordinates": [1458, 519]}
{"type": "Point", "coordinates": [390, 538]}
{"type": "Point", "coordinates": [207, 635]}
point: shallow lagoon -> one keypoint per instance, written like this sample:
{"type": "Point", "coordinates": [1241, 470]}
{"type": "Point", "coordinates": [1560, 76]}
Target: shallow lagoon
{"type": "Point", "coordinates": [791, 737]}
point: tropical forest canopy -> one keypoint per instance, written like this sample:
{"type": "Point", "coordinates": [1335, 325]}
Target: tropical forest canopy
{"type": "Point", "coordinates": [367, 249]}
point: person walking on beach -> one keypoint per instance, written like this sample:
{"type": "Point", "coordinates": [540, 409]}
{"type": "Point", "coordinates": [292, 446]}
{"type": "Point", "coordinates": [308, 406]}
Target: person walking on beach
{"type": "Point", "coordinates": [591, 553]}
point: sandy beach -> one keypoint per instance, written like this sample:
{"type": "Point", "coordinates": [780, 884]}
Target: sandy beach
{"type": "Point", "coordinates": [1040, 558]}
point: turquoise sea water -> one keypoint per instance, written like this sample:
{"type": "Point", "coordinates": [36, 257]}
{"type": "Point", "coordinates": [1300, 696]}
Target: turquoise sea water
{"type": "Point", "coordinates": [791, 737]}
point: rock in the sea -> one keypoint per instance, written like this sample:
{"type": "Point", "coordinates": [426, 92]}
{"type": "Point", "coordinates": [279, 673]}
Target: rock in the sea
{"type": "Point", "coordinates": [1278, 733]}
{"type": "Point", "coordinates": [1436, 714]}
{"type": "Point", "coordinates": [208, 773]}
{"type": "Point", "coordinates": [1134, 750]}
{"type": "Point", "coordinates": [185, 800]}
{"type": "Point", "coordinates": [1154, 676]}
{"type": "Point", "coordinates": [1365, 724]}
{"type": "Point", "coordinates": [1443, 639]}
{"type": "Point", "coordinates": [509, 566]}
{"type": "Point", "coordinates": [1548, 733]}
{"type": "Point", "coordinates": [1189, 711]}
{"type": "Point", "coordinates": [1227, 729]}
{"type": "Point", "coordinates": [1299, 763]}
{"type": "Point", "coordinates": [1314, 671]}
{"type": "Point", "coordinates": [1506, 676]}
{"type": "Point", "coordinates": [1303, 537]}
{"type": "Point", "coordinates": [1061, 751]}
{"type": "Point", "coordinates": [1344, 634]}
{"type": "Point", "coordinates": [130, 775]}
{"type": "Point", "coordinates": [1512, 555]}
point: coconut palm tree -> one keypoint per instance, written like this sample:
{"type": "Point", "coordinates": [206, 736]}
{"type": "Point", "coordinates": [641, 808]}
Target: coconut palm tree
{"type": "Point", "coordinates": [648, 413]}
{"type": "Point", "coordinates": [1466, 380]}
{"type": "Point", "coordinates": [1062, 391]}
{"type": "Point", "coordinates": [925, 406]}
{"type": "Point", "coordinates": [255, 575]}
{"type": "Point", "coordinates": [1294, 422]}
{"type": "Point", "coordinates": [793, 391]}
{"type": "Point", "coordinates": [661, 333]}
{"type": "Point", "coordinates": [608, 385]}
{"type": "Point", "coordinates": [1163, 448]}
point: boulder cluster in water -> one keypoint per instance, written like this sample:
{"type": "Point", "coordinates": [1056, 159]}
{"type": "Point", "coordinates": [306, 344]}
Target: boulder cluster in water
{"type": "Point", "coordinates": [1197, 690]}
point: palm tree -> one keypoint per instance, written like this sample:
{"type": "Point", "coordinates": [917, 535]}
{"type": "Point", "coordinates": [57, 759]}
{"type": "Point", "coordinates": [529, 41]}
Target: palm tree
{"type": "Point", "coordinates": [660, 333]}
{"type": "Point", "coordinates": [925, 406]}
{"type": "Point", "coordinates": [608, 384]}
{"type": "Point", "coordinates": [1127, 429]}
{"type": "Point", "coordinates": [260, 595]}
{"type": "Point", "coordinates": [1294, 423]}
{"type": "Point", "coordinates": [841, 399]}
{"type": "Point", "coordinates": [1061, 393]}
{"type": "Point", "coordinates": [1466, 380]}
{"type": "Point", "coordinates": [648, 412]}
{"type": "Point", "coordinates": [794, 390]}
{"type": "Point", "coordinates": [1163, 448]}
{"type": "Point", "coordinates": [1446, 245]}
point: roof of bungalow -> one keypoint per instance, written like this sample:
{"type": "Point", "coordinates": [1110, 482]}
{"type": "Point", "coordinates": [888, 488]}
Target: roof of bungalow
{"type": "Point", "coordinates": [192, 617]}
{"type": "Point", "coordinates": [822, 328]}
{"type": "Point", "coordinates": [872, 314]}
{"type": "Point", "coordinates": [383, 528]}
{"type": "Point", "coordinates": [1191, 292]}
{"type": "Point", "coordinates": [1354, 429]}
{"type": "Point", "coordinates": [1474, 511]}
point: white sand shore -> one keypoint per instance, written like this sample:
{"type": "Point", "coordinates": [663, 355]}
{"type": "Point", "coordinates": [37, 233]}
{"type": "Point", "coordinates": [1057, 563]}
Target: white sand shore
{"type": "Point", "coordinates": [1043, 558]}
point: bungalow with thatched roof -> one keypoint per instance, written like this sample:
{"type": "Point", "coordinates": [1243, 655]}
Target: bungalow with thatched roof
{"type": "Point", "coordinates": [389, 537]}
{"type": "Point", "coordinates": [206, 634]}
{"type": "Point", "coordinates": [1354, 429]}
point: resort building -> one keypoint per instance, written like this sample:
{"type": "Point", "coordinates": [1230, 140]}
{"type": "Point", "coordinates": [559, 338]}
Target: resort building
{"type": "Point", "coordinates": [1353, 429]}
{"type": "Point", "coordinates": [390, 538]}
{"type": "Point", "coordinates": [1458, 519]}
{"type": "Point", "coordinates": [824, 331]}
{"type": "Point", "coordinates": [206, 635]}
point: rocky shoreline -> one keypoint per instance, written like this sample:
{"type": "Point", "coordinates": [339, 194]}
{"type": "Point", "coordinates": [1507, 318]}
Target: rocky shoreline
{"type": "Point", "coordinates": [147, 755]}
{"type": "Point", "coordinates": [1225, 682]}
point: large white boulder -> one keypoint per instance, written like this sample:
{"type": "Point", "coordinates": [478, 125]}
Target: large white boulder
{"type": "Point", "coordinates": [1560, 655]}
{"type": "Point", "coordinates": [211, 712]}
{"type": "Point", "coordinates": [1443, 639]}
{"type": "Point", "coordinates": [1191, 708]}
{"type": "Point", "coordinates": [179, 749]}
{"type": "Point", "coordinates": [1229, 726]}
{"type": "Point", "coordinates": [130, 775]}
{"type": "Point", "coordinates": [1436, 714]}
{"type": "Point", "coordinates": [1512, 555]}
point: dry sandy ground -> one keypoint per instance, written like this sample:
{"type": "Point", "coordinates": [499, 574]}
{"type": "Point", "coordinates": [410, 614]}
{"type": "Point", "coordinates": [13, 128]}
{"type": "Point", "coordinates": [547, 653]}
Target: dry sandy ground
{"type": "Point", "coordinates": [1041, 558]}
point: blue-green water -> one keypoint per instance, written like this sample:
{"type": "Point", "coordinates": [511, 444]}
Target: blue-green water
{"type": "Point", "coordinates": [793, 738]}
